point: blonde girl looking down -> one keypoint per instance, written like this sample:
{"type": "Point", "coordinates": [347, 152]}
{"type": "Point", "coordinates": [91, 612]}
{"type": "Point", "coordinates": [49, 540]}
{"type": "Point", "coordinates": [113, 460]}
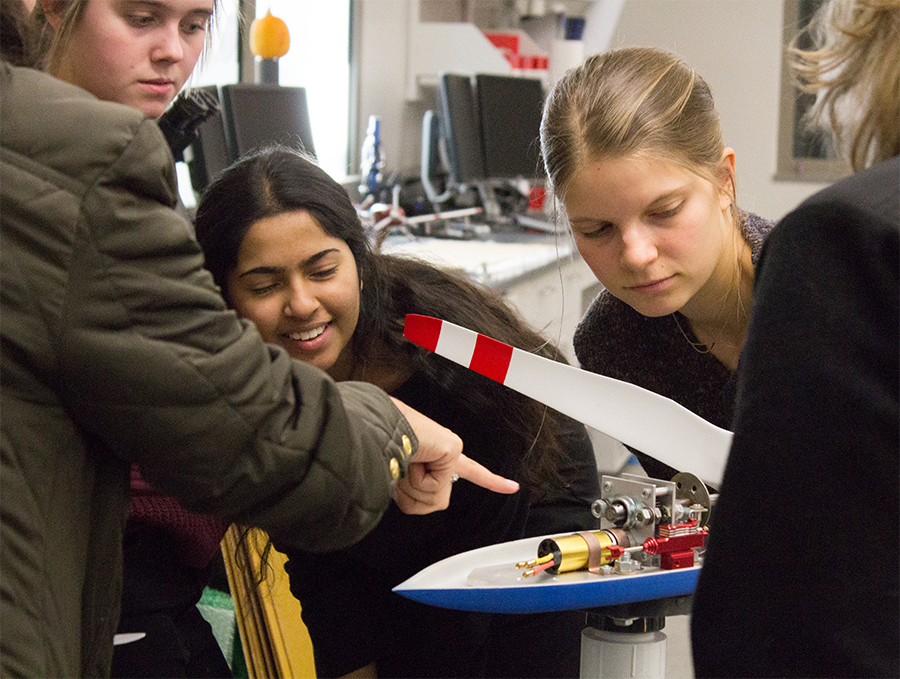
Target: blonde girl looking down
{"type": "Point", "coordinates": [633, 148]}
{"type": "Point", "coordinates": [135, 53]}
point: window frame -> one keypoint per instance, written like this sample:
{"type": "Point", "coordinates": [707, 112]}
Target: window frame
{"type": "Point", "coordinates": [823, 165]}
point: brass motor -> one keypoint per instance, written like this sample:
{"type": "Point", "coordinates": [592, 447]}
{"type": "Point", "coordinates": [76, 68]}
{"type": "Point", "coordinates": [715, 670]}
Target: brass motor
{"type": "Point", "coordinates": [587, 550]}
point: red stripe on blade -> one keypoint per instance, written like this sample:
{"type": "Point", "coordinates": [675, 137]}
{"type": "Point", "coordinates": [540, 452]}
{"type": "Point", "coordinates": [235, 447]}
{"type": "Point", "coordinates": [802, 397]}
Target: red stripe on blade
{"type": "Point", "coordinates": [422, 330]}
{"type": "Point", "coordinates": [491, 358]}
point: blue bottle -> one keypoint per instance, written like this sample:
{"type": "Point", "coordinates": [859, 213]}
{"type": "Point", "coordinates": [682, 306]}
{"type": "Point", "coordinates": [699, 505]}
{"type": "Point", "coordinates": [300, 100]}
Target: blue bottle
{"type": "Point", "coordinates": [372, 161]}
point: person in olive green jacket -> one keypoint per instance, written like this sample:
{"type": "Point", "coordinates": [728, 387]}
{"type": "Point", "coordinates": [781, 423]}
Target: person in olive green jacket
{"type": "Point", "coordinates": [117, 348]}
{"type": "Point", "coordinates": [117, 309]}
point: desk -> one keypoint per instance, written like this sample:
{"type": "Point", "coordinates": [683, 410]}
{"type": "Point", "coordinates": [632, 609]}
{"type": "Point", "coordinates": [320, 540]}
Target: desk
{"type": "Point", "coordinates": [496, 263]}
{"type": "Point", "coordinates": [542, 276]}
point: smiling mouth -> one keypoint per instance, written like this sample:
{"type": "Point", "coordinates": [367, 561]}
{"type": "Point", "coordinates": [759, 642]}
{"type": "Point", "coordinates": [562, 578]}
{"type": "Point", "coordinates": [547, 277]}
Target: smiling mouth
{"type": "Point", "coordinates": [307, 335]}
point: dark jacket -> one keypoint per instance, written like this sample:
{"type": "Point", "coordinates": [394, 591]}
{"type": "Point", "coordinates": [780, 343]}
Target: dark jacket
{"type": "Point", "coordinates": [801, 573]}
{"type": "Point", "coordinates": [118, 348]}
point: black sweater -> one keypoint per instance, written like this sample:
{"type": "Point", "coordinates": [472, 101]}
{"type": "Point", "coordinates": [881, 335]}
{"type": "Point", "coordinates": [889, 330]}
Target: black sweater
{"type": "Point", "coordinates": [615, 340]}
{"type": "Point", "coordinates": [354, 618]}
{"type": "Point", "coordinates": [801, 576]}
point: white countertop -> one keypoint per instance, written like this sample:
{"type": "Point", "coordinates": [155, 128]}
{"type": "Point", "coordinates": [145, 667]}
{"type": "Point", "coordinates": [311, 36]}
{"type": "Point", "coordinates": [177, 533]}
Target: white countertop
{"type": "Point", "coordinates": [491, 262]}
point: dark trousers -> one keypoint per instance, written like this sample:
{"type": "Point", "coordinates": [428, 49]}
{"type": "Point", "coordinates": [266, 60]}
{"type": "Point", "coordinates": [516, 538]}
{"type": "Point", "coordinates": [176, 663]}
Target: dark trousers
{"type": "Point", "coordinates": [160, 596]}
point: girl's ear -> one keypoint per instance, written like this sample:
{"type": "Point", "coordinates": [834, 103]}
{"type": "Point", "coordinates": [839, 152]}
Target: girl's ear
{"type": "Point", "coordinates": [53, 10]}
{"type": "Point", "coordinates": [726, 178]}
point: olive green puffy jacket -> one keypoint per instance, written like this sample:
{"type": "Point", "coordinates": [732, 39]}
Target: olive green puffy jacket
{"type": "Point", "coordinates": [118, 348]}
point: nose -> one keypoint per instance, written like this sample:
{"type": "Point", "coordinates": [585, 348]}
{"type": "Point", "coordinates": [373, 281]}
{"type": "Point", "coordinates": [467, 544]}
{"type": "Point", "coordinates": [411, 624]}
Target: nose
{"type": "Point", "coordinates": [168, 45]}
{"type": "Point", "coordinates": [638, 246]}
{"type": "Point", "coordinates": [300, 303]}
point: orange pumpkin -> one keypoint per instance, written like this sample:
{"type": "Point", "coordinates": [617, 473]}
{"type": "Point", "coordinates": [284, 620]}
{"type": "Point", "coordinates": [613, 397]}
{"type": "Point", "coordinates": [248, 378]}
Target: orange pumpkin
{"type": "Point", "coordinates": [269, 37]}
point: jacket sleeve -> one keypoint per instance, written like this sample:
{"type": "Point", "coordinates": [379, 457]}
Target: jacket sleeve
{"type": "Point", "coordinates": [153, 365]}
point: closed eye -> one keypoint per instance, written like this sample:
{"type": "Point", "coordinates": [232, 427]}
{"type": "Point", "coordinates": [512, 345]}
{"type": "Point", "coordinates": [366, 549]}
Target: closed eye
{"type": "Point", "coordinates": [324, 273]}
{"type": "Point", "coordinates": [197, 23]}
{"type": "Point", "coordinates": [668, 214]}
{"type": "Point", "coordinates": [195, 28]}
{"type": "Point", "coordinates": [590, 228]}
{"type": "Point", "coordinates": [141, 20]}
{"type": "Point", "coordinates": [263, 290]}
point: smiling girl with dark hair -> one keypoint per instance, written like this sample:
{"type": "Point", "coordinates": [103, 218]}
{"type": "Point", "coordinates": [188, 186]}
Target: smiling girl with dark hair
{"type": "Point", "coordinates": [284, 242]}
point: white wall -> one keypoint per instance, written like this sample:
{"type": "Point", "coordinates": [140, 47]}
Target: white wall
{"type": "Point", "coordinates": [382, 44]}
{"type": "Point", "coordinates": [736, 46]}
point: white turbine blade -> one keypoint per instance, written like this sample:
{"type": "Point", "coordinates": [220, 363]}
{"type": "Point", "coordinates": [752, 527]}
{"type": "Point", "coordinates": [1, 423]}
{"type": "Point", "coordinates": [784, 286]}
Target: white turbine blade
{"type": "Point", "coordinates": [642, 419]}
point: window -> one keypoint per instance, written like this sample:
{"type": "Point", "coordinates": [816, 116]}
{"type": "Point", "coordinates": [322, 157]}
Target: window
{"type": "Point", "coordinates": [219, 65]}
{"type": "Point", "coordinates": [318, 59]}
{"type": "Point", "coordinates": [802, 155]}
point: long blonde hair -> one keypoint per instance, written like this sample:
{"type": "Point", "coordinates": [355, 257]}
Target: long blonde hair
{"type": "Point", "coordinates": [51, 42]}
{"type": "Point", "coordinates": [854, 68]}
{"type": "Point", "coordinates": [635, 101]}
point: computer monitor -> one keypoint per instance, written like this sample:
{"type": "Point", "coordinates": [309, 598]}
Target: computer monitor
{"type": "Point", "coordinates": [509, 111]}
{"type": "Point", "coordinates": [258, 115]}
{"type": "Point", "coordinates": [490, 136]}
{"type": "Point", "coordinates": [460, 128]}
{"type": "Point", "coordinates": [210, 152]}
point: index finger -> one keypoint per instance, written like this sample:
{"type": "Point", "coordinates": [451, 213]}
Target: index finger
{"type": "Point", "coordinates": [470, 470]}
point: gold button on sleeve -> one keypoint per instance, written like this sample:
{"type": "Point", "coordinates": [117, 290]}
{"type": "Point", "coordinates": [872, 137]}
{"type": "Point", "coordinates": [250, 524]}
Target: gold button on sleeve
{"type": "Point", "coordinates": [395, 469]}
{"type": "Point", "coordinates": [407, 445]}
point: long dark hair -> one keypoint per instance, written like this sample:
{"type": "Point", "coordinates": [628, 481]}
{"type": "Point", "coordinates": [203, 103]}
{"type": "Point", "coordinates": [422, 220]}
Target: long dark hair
{"type": "Point", "coordinates": [275, 180]}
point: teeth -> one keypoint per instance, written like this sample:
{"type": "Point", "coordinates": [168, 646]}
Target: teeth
{"type": "Point", "coordinates": [312, 334]}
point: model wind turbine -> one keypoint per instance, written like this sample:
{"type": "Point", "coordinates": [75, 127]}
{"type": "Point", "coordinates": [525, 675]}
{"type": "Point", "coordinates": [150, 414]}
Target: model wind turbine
{"type": "Point", "coordinates": [652, 531]}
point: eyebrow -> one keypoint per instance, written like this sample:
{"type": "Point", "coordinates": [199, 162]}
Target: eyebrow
{"type": "Point", "coordinates": [268, 270]}
{"type": "Point", "coordinates": [200, 12]}
{"type": "Point", "coordinates": [666, 196]}
{"type": "Point", "coordinates": [655, 202]}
